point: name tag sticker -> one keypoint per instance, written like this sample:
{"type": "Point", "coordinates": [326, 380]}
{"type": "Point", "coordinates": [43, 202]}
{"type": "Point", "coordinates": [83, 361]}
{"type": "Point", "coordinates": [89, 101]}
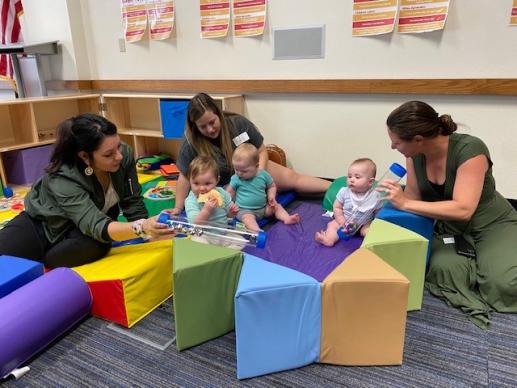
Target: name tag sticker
{"type": "Point", "coordinates": [242, 138]}
{"type": "Point", "coordinates": [448, 240]}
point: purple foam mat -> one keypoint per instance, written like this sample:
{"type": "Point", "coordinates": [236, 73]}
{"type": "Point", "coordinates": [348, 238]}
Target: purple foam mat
{"type": "Point", "coordinates": [293, 246]}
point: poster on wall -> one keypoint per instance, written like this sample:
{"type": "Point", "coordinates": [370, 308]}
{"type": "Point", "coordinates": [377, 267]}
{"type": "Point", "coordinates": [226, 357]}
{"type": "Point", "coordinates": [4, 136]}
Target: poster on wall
{"type": "Point", "coordinates": [161, 18]}
{"type": "Point", "coordinates": [373, 17]}
{"type": "Point", "coordinates": [422, 15]}
{"type": "Point", "coordinates": [513, 18]}
{"type": "Point", "coordinates": [215, 18]}
{"type": "Point", "coordinates": [134, 16]}
{"type": "Point", "coordinates": [249, 17]}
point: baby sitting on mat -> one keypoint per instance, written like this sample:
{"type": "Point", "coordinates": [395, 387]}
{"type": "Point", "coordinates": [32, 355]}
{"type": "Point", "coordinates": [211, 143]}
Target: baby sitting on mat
{"type": "Point", "coordinates": [355, 203]}
{"type": "Point", "coordinates": [254, 190]}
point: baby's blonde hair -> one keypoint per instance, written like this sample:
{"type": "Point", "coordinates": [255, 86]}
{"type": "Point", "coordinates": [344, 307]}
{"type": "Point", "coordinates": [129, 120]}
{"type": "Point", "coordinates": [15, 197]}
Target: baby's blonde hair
{"type": "Point", "coordinates": [370, 164]}
{"type": "Point", "coordinates": [246, 151]}
{"type": "Point", "coordinates": [202, 164]}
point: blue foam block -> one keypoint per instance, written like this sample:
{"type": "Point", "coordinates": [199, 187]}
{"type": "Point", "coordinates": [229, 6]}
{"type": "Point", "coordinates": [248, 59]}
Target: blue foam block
{"type": "Point", "coordinates": [16, 272]}
{"type": "Point", "coordinates": [424, 226]}
{"type": "Point", "coordinates": [277, 318]}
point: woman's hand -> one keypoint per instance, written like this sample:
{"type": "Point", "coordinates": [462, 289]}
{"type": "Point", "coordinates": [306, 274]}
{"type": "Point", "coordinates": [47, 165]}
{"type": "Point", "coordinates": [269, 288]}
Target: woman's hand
{"type": "Point", "coordinates": [155, 229]}
{"type": "Point", "coordinates": [393, 193]}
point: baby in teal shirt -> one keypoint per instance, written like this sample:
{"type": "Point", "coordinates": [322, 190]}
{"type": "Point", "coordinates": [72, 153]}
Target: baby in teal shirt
{"type": "Point", "coordinates": [206, 202]}
{"type": "Point", "coordinates": [254, 190]}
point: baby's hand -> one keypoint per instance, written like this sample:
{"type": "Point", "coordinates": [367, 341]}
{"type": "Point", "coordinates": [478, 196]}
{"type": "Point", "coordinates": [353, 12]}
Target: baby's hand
{"type": "Point", "coordinates": [271, 201]}
{"type": "Point", "coordinates": [174, 212]}
{"type": "Point", "coordinates": [341, 221]}
{"type": "Point", "coordinates": [233, 210]}
{"type": "Point", "coordinates": [211, 204]}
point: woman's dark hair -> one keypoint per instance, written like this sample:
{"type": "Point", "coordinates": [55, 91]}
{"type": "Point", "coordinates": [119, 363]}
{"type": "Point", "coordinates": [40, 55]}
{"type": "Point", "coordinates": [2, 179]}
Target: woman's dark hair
{"type": "Point", "coordinates": [418, 118]}
{"type": "Point", "coordinates": [81, 133]}
{"type": "Point", "coordinates": [197, 107]}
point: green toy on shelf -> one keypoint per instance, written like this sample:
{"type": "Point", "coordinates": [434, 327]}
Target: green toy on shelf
{"type": "Point", "coordinates": [153, 162]}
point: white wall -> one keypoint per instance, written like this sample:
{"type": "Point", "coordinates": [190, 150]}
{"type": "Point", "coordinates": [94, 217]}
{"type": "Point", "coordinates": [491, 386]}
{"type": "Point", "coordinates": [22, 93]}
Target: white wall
{"type": "Point", "coordinates": [60, 20]}
{"type": "Point", "coordinates": [321, 133]}
{"type": "Point", "coordinates": [477, 42]}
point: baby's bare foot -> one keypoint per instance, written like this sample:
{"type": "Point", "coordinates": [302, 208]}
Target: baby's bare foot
{"type": "Point", "coordinates": [323, 239]}
{"type": "Point", "coordinates": [292, 219]}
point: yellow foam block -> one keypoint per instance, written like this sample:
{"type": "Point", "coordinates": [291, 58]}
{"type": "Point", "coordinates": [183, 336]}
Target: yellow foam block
{"type": "Point", "coordinates": [363, 312]}
{"type": "Point", "coordinates": [130, 282]}
{"type": "Point", "coordinates": [7, 215]}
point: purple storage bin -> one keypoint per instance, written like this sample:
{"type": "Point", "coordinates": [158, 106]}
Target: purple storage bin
{"type": "Point", "coordinates": [26, 166]}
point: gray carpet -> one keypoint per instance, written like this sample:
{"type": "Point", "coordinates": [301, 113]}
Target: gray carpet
{"type": "Point", "coordinates": [442, 349]}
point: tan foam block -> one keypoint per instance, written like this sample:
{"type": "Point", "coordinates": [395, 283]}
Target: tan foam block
{"type": "Point", "coordinates": [363, 312]}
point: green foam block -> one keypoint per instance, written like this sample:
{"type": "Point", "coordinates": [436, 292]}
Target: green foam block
{"type": "Point", "coordinates": [205, 278]}
{"type": "Point", "coordinates": [405, 251]}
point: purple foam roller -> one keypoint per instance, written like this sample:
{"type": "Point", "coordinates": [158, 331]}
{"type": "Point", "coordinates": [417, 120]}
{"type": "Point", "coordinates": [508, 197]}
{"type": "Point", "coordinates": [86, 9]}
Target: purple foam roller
{"type": "Point", "coordinates": [39, 312]}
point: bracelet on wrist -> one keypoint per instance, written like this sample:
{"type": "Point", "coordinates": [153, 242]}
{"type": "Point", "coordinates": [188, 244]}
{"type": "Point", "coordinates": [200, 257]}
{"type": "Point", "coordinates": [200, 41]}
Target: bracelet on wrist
{"type": "Point", "coordinates": [138, 228]}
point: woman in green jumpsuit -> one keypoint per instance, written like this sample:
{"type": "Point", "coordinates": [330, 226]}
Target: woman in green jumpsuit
{"type": "Point", "coordinates": [450, 179]}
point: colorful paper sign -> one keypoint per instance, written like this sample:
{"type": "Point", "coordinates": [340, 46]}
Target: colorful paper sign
{"type": "Point", "coordinates": [161, 18]}
{"type": "Point", "coordinates": [513, 18]}
{"type": "Point", "coordinates": [422, 15]}
{"type": "Point", "coordinates": [249, 17]}
{"type": "Point", "coordinates": [215, 18]}
{"type": "Point", "coordinates": [373, 17]}
{"type": "Point", "coordinates": [134, 15]}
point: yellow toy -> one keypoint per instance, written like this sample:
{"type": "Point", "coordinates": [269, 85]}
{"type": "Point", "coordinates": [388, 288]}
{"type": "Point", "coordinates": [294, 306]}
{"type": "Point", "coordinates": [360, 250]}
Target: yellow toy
{"type": "Point", "coordinates": [211, 194]}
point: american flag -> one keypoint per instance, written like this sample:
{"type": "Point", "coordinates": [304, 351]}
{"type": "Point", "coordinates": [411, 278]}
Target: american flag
{"type": "Point", "coordinates": [10, 10]}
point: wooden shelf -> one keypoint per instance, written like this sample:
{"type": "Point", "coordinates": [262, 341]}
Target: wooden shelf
{"type": "Point", "coordinates": [26, 145]}
{"type": "Point", "coordinates": [140, 132]}
{"type": "Point", "coordinates": [32, 122]}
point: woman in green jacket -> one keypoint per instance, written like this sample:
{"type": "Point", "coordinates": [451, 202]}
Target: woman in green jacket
{"type": "Point", "coordinates": [450, 179]}
{"type": "Point", "coordinates": [70, 212]}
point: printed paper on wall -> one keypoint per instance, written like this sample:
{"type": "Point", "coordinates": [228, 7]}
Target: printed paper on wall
{"type": "Point", "coordinates": [422, 15]}
{"type": "Point", "coordinates": [373, 17]}
{"type": "Point", "coordinates": [134, 16]}
{"type": "Point", "coordinates": [513, 18]}
{"type": "Point", "coordinates": [249, 17]}
{"type": "Point", "coordinates": [161, 18]}
{"type": "Point", "coordinates": [215, 18]}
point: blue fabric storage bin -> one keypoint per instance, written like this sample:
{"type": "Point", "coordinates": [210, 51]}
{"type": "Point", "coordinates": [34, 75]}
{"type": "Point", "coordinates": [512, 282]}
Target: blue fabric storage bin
{"type": "Point", "coordinates": [15, 272]}
{"type": "Point", "coordinates": [173, 114]}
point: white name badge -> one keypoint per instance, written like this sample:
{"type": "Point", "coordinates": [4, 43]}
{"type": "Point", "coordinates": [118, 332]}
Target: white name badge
{"type": "Point", "coordinates": [242, 138]}
{"type": "Point", "coordinates": [448, 240]}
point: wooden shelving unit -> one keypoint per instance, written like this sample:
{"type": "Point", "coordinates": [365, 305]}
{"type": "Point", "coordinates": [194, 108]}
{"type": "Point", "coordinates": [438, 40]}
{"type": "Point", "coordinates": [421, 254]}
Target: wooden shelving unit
{"type": "Point", "coordinates": [137, 117]}
{"type": "Point", "coordinates": [32, 122]}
